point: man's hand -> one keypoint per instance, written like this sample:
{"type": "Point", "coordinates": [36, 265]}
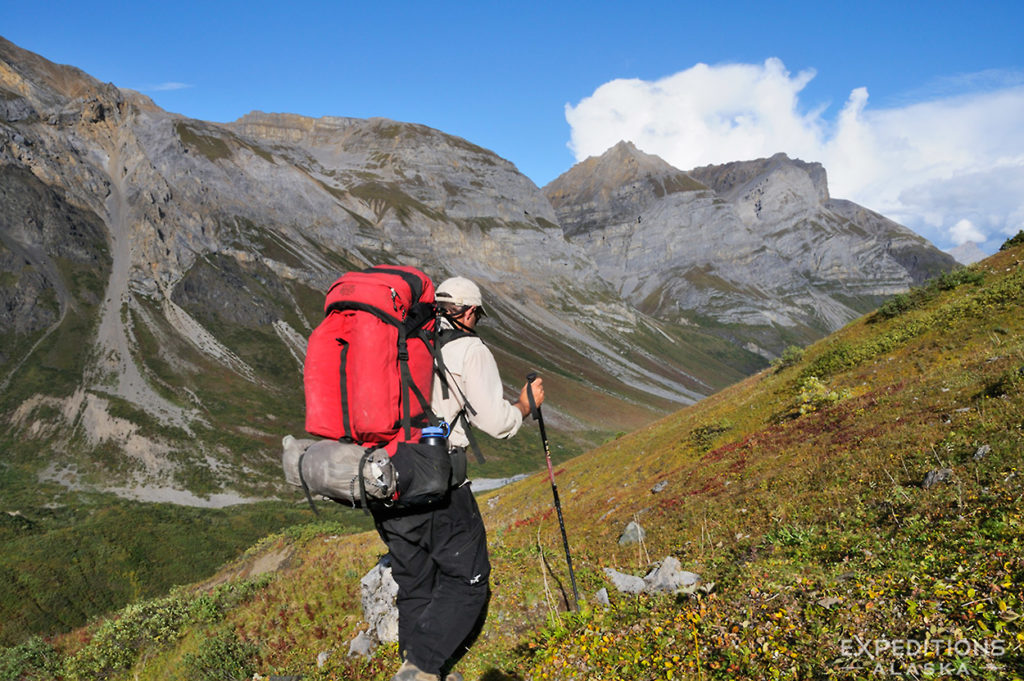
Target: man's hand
{"type": "Point", "coordinates": [538, 396]}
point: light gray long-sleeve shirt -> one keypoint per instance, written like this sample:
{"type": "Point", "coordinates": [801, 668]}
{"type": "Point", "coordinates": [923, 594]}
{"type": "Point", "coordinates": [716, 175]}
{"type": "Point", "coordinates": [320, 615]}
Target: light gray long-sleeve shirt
{"type": "Point", "coordinates": [474, 371]}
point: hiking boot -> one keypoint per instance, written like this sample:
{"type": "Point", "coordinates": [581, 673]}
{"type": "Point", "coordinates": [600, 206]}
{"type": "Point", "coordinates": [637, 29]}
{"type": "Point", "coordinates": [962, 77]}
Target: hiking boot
{"type": "Point", "coordinates": [410, 672]}
{"type": "Point", "coordinates": [454, 676]}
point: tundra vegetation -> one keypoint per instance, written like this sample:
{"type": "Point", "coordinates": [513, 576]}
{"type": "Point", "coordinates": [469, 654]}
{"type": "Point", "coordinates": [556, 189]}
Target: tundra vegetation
{"type": "Point", "coordinates": [854, 510]}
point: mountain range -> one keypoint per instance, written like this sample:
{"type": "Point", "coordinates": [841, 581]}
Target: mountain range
{"type": "Point", "coordinates": [161, 274]}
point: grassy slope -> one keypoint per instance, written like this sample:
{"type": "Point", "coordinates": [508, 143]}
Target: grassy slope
{"type": "Point", "coordinates": [67, 563]}
{"type": "Point", "coordinates": [801, 500]}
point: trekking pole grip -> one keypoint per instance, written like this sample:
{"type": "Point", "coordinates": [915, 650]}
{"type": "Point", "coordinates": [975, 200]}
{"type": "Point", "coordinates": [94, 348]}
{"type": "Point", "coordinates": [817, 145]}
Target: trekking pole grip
{"type": "Point", "coordinates": [534, 410]}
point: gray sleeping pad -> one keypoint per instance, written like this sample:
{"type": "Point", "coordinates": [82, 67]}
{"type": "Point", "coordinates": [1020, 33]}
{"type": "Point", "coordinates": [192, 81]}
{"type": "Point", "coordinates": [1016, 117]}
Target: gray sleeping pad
{"type": "Point", "coordinates": [331, 469]}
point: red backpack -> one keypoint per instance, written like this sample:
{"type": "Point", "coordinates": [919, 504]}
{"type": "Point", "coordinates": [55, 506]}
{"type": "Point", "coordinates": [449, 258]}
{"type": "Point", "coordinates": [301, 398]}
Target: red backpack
{"type": "Point", "coordinates": [369, 365]}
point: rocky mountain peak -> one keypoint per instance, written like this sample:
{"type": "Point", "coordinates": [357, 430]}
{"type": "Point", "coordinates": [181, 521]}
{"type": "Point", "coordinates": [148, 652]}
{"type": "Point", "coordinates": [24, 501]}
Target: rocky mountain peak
{"type": "Point", "coordinates": [623, 165]}
{"type": "Point", "coordinates": [627, 159]}
{"type": "Point", "coordinates": [967, 253]}
{"type": "Point", "coordinates": [769, 188]}
{"type": "Point", "coordinates": [616, 184]}
{"type": "Point", "coordinates": [28, 74]}
{"type": "Point", "coordinates": [33, 88]}
{"type": "Point", "coordinates": [745, 250]}
{"type": "Point", "coordinates": [45, 86]}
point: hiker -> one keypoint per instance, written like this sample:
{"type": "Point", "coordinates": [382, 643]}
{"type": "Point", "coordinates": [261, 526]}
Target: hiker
{"type": "Point", "coordinates": [439, 557]}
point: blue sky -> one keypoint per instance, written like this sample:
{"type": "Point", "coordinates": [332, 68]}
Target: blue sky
{"type": "Point", "coordinates": [915, 108]}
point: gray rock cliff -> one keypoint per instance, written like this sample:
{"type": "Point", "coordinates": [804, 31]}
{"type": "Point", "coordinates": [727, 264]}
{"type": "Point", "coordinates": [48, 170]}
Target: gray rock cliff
{"type": "Point", "coordinates": [758, 247]}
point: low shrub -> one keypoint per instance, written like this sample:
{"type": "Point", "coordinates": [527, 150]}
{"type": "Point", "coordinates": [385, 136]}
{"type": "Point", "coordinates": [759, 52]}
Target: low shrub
{"type": "Point", "coordinates": [918, 297]}
{"type": "Point", "coordinates": [117, 642]}
{"type": "Point", "coordinates": [790, 356]}
{"type": "Point", "coordinates": [815, 395]}
{"type": "Point", "coordinates": [222, 657]}
{"type": "Point", "coordinates": [703, 437]}
{"type": "Point", "coordinates": [1016, 240]}
{"type": "Point", "coordinates": [34, 659]}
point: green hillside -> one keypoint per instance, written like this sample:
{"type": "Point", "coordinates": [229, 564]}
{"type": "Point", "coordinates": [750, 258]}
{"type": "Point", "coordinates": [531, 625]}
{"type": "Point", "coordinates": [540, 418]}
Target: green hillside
{"type": "Point", "coordinates": [854, 512]}
{"type": "Point", "coordinates": [91, 554]}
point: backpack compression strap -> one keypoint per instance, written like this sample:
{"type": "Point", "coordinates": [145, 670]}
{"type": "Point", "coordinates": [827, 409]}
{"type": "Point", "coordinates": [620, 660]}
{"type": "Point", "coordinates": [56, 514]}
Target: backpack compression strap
{"type": "Point", "coordinates": [419, 314]}
{"type": "Point", "coordinates": [305, 487]}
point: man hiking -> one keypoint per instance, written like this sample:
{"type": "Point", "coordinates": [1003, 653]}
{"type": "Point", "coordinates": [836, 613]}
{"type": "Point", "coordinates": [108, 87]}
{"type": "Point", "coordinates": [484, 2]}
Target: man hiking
{"type": "Point", "coordinates": [439, 557]}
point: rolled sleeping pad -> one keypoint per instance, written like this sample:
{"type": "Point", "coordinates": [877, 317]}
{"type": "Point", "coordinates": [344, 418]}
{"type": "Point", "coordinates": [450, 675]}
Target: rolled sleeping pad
{"type": "Point", "coordinates": [331, 469]}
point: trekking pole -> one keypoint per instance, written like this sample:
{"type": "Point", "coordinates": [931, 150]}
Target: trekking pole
{"type": "Point", "coordinates": [539, 418]}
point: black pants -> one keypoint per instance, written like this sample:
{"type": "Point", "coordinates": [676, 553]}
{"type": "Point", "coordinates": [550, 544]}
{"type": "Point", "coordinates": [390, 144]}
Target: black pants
{"type": "Point", "coordinates": [439, 560]}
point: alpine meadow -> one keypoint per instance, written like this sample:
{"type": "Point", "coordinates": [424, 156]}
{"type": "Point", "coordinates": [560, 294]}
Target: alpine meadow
{"type": "Point", "coordinates": [787, 431]}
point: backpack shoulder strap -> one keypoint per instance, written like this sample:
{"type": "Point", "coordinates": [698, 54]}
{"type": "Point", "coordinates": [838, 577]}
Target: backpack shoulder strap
{"type": "Point", "coordinates": [443, 337]}
{"type": "Point", "coordinates": [468, 430]}
{"type": "Point", "coordinates": [447, 335]}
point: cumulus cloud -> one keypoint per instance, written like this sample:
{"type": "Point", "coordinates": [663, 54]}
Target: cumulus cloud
{"type": "Point", "coordinates": [965, 231]}
{"type": "Point", "coordinates": [950, 167]}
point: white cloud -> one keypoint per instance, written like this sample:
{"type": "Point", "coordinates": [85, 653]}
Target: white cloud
{"type": "Point", "coordinates": [936, 166]}
{"type": "Point", "coordinates": [965, 231]}
{"type": "Point", "coordinates": [706, 114]}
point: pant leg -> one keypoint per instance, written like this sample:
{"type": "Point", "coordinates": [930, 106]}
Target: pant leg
{"type": "Point", "coordinates": [408, 538]}
{"type": "Point", "coordinates": [462, 588]}
{"type": "Point", "coordinates": [440, 562]}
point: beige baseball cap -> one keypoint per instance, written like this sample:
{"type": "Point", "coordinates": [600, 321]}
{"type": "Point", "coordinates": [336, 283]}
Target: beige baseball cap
{"type": "Point", "coordinates": [460, 291]}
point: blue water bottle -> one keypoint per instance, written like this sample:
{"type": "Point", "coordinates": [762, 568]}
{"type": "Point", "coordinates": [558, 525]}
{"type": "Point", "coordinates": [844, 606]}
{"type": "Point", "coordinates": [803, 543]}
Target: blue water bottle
{"type": "Point", "coordinates": [435, 436]}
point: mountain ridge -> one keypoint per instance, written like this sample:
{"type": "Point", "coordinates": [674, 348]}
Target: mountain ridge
{"type": "Point", "coordinates": [220, 244]}
{"type": "Point", "coordinates": [210, 245]}
{"type": "Point", "coordinates": [757, 243]}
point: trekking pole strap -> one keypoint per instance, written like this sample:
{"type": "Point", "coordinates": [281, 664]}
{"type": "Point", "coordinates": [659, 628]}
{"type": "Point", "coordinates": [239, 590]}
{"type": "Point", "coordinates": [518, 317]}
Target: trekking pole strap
{"type": "Point", "coordinates": [534, 410]}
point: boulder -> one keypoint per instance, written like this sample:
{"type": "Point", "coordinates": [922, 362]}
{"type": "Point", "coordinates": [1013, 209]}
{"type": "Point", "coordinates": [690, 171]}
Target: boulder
{"type": "Point", "coordinates": [669, 577]}
{"type": "Point", "coordinates": [936, 476]}
{"type": "Point", "coordinates": [625, 583]}
{"type": "Point", "coordinates": [378, 592]}
{"type": "Point", "coordinates": [666, 577]}
{"type": "Point", "coordinates": [633, 534]}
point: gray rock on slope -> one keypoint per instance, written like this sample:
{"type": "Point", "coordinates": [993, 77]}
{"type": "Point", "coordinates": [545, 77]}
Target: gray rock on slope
{"type": "Point", "coordinates": [378, 591]}
{"type": "Point", "coordinates": [665, 577]}
{"type": "Point", "coordinates": [632, 534]}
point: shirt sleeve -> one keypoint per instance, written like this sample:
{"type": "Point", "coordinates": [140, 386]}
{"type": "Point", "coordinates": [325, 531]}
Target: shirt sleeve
{"type": "Point", "coordinates": [494, 415]}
